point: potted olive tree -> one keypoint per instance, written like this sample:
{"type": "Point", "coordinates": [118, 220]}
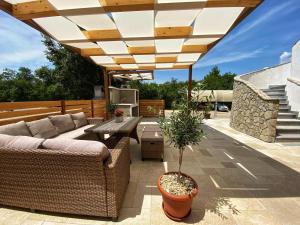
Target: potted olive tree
{"type": "Point", "coordinates": [182, 128]}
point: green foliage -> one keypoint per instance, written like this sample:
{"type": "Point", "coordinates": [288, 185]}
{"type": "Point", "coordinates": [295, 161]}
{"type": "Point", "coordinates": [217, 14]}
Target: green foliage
{"type": "Point", "coordinates": [111, 108]}
{"type": "Point", "coordinates": [72, 77]}
{"type": "Point", "coordinates": [175, 92]}
{"type": "Point", "coordinates": [214, 80]}
{"type": "Point", "coordinates": [183, 128]}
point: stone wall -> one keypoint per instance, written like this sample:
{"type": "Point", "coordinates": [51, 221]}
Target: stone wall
{"type": "Point", "coordinates": [253, 112]}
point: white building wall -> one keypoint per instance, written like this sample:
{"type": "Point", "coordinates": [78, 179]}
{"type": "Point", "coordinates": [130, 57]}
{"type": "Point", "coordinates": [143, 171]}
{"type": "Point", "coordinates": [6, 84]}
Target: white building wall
{"type": "Point", "coordinates": [269, 76]}
{"type": "Point", "coordinates": [293, 88]}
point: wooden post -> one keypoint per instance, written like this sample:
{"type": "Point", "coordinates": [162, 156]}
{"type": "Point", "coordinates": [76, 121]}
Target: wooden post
{"type": "Point", "coordinates": [63, 107]}
{"type": "Point", "coordinates": [106, 90]}
{"type": "Point", "coordinates": [190, 84]}
{"type": "Point", "coordinates": [92, 108]}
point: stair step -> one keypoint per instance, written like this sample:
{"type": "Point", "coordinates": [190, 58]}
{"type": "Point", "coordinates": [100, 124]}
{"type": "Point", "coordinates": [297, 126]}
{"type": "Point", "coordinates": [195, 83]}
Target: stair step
{"type": "Point", "coordinates": [288, 138]}
{"type": "Point", "coordinates": [286, 129]}
{"type": "Point", "coordinates": [284, 110]}
{"type": "Point", "coordinates": [279, 97]}
{"type": "Point", "coordinates": [273, 90]}
{"type": "Point", "coordinates": [286, 115]}
{"type": "Point", "coordinates": [284, 107]}
{"type": "Point", "coordinates": [276, 94]}
{"type": "Point", "coordinates": [283, 103]}
{"type": "Point", "coordinates": [292, 122]}
{"type": "Point", "coordinates": [276, 86]}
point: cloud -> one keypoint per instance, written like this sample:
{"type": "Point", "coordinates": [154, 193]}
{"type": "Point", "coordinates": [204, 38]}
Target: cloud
{"type": "Point", "coordinates": [20, 45]}
{"type": "Point", "coordinates": [285, 57]}
{"type": "Point", "coordinates": [231, 57]}
{"type": "Point", "coordinates": [284, 8]}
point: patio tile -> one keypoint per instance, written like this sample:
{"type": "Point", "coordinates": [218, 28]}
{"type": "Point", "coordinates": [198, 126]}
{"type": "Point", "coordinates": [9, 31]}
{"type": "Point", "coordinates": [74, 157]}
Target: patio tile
{"type": "Point", "coordinates": [284, 210]}
{"type": "Point", "coordinates": [32, 222]}
{"type": "Point", "coordinates": [252, 217]}
{"type": "Point", "coordinates": [209, 218]}
{"type": "Point", "coordinates": [133, 216]}
{"type": "Point", "coordinates": [14, 218]}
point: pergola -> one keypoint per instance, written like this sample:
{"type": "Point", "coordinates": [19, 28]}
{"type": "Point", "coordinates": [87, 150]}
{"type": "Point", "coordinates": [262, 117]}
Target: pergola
{"type": "Point", "coordinates": [134, 35]}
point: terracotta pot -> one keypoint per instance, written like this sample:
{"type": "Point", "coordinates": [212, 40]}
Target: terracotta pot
{"type": "Point", "coordinates": [177, 207]}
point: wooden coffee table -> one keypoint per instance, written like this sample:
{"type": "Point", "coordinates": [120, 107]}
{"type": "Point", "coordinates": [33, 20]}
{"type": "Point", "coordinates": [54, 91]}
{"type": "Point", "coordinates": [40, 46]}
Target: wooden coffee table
{"type": "Point", "coordinates": [127, 128]}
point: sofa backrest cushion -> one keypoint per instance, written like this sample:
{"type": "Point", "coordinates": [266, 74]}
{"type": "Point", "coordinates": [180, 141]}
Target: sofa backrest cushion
{"type": "Point", "coordinates": [20, 142]}
{"type": "Point", "coordinates": [63, 123]}
{"type": "Point", "coordinates": [77, 146]}
{"type": "Point", "coordinates": [42, 128]}
{"type": "Point", "coordinates": [15, 129]}
{"type": "Point", "coordinates": [79, 119]}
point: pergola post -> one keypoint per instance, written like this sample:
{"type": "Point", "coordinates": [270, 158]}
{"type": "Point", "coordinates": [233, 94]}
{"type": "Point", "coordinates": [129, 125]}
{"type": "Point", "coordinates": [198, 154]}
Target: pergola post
{"type": "Point", "coordinates": [106, 90]}
{"type": "Point", "coordinates": [190, 84]}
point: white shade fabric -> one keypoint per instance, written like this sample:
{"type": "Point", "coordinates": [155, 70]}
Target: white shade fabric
{"type": "Point", "coordinates": [129, 35]}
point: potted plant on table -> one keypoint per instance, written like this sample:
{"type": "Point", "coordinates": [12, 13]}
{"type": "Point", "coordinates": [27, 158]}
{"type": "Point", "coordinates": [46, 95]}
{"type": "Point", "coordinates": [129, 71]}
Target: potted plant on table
{"type": "Point", "coordinates": [182, 128]}
{"type": "Point", "coordinates": [111, 107]}
{"type": "Point", "coordinates": [119, 115]}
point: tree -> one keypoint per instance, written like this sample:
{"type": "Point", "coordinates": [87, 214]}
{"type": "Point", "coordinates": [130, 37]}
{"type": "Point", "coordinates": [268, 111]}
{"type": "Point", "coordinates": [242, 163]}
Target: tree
{"type": "Point", "coordinates": [72, 77]}
{"type": "Point", "coordinates": [214, 80]}
{"type": "Point", "coordinates": [75, 74]}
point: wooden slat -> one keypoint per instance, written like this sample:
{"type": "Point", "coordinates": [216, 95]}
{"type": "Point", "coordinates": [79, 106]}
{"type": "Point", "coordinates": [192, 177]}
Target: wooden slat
{"type": "Point", "coordinates": [11, 112]}
{"type": "Point", "coordinates": [98, 35]}
{"type": "Point", "coordinates": [91, 52]}
{"type": "Point", "coordinates": [161, 59]}
{"type": "Point", "coordinates": [5, 6]}
{"type": "Point", "coordinates": [173, 31]}
{"type": "Point", "coordinates": [146, 67]}
{"type": "Point", "coordinates": [29, 112]}
{"type": "Point", "coordinates": [158, 105]}
{"type": "Point", "coordinates": [141, 50]}
{"type": "Point", "coordinates": [83, 107]}
{"type": "Point", "coordinates": [27, 105]}
{"type": "Point", "coordinates": [42, 8]}
{"type": "Point", "coordinates": [26, 118]}
{"type": "Point", "coordinates": [34, 9]}
{"type": "Point", "coordinates": [77, 102]}
{"type": "Point", "coordinates": [194, 49]}
{"type": "Point", "coordinates": [124, 60]}
{"type": "Point", "coordinates": [180, 66]}
{"type": "Point", "coordinates": [232, 3]}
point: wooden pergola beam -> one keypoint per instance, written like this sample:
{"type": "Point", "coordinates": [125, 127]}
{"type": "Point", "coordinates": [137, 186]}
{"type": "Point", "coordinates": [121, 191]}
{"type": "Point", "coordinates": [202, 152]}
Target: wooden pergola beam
{"type": "Point", "coordinates": [185, 49]}
{"type": "Point", "coordinates": [190, 83]}
{"type": "Point", "coordinates": [95, 38]}
{"type": "Point", "coordinates": [6, 7]}
{"type": "Point", "coordinates": [42, 8]}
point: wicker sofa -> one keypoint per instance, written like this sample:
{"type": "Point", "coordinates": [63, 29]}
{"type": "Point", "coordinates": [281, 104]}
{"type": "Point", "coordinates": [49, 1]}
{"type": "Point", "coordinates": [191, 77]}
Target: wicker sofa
{"type": "Point", "coordinates": [66, 181]}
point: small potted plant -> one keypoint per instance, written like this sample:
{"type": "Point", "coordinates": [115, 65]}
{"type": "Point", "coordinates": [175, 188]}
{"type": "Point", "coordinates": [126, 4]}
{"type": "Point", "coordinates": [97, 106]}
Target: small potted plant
{"type": "Point", "coordinates": [182, 128]}
{"type": "Point", "coordinates": [111, 107]}
{"type": "Point", "coordinates": [119, 115]}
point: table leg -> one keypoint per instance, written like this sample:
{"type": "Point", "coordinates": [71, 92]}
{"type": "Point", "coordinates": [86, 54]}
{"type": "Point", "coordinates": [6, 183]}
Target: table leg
{"type": "Point", "coordinates": [134, 135]}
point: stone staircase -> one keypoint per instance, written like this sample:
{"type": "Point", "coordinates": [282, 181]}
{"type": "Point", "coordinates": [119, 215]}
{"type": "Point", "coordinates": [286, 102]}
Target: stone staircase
{"type": "Point", "coordinates": [288, 124]}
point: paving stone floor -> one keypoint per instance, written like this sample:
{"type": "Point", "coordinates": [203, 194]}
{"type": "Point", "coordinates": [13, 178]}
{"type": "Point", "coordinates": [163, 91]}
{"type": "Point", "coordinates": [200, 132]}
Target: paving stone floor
{"type": "Point", "coordinates": [253, 183]}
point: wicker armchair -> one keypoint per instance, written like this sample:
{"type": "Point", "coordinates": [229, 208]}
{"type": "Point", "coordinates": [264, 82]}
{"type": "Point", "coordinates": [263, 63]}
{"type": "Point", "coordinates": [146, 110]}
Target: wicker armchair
{"type": "Point", "coordinates": [64, 181]}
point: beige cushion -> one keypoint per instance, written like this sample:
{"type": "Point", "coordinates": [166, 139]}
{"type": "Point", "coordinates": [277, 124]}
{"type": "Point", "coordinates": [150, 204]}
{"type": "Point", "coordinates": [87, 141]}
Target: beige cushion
{"type": "Point", "coordinates": [15, 129]}
{"type": "Point", "coordinates": [20, 142]}
{"type": "Point", "coordinates": [75, 134]}
{"type": "Point", "coordinates": [77, 146]}
{"type": "Point", "coordinates": [42, 128]}
{"type": "Point", "coordinates": [79, 119]}
{"type": "Point", "coordinates": [63, 123]}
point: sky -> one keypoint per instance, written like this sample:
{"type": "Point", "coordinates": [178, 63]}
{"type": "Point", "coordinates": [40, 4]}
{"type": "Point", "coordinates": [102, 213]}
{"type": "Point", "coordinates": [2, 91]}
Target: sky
{"type": "Point", "coordinates": [265, 38]}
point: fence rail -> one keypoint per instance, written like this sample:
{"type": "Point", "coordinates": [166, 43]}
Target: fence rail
{"type": "Point", "coordinates": [152, 108]}
{"type": "Point", "coordinates": [11, 112]}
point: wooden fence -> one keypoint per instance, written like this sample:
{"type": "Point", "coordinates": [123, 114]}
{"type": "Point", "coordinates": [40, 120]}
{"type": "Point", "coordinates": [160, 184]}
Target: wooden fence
{"type": "Point", "coordinates": [152, 108]}
{"type": "Point", "coordinates": [11, 112]}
